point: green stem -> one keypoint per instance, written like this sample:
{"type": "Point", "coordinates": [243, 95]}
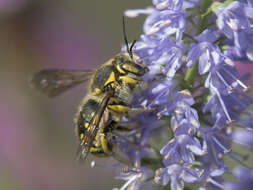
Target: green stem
{"type": "Point", "coordinates": [154, 163]}
{"type": "Point", "coordinates": [190, 37]}
{"type": "Point", "coordinates": [191, 73]}
{"type": "Point", "coordinates": [204, 18]}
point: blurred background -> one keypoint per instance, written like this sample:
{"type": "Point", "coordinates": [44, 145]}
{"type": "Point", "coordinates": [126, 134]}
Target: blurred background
{"type": "Point", "coordinates": [37, 140]}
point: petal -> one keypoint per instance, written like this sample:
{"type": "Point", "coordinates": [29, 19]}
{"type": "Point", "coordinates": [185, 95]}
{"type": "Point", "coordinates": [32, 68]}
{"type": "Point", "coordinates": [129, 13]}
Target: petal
{"type": "Point", "coordinates": [249, 12]}
{"type": "Point", "coordinates": [193, 55]}
{"type": "Point", "coordinates": [204, 62]}
{"type": "Point", "coordinates": [208, 36]}
{"type": "Point", "coordinates": [196, 150]}
{"type": "Point", "coordinates": [136, 12]}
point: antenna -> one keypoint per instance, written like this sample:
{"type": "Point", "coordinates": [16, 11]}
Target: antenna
{"type": "Point", "coordinates": [129, 50]}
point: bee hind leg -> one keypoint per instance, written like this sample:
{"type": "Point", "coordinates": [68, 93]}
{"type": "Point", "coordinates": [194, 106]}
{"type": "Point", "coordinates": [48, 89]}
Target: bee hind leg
{"type": "Point", "coordinates": [135, 111]}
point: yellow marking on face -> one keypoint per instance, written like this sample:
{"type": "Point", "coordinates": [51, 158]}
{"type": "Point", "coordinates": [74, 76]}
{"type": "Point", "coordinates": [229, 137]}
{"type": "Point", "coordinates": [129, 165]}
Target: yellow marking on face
{"type": "Point", "coordinates": [118, 108]}
{"type": "Point", "coordinates": [96, 91]}
{"type": "Point", "coordinates": [110, 79]}
{"type": "Point", "coordinates": [128, 80]}
{"type": "Point", "coordinates": [81, 136]}
{"type": "Point", "coordinates": [92, 114]}
{"type": "Point", "coordinates": [120, 70]}
{"type": "Point", "coordinates": [86, 125]}
{"type": "Point", "coordinates": [104, 144]}
{"type": "Point", "coordinates": [130, 68]}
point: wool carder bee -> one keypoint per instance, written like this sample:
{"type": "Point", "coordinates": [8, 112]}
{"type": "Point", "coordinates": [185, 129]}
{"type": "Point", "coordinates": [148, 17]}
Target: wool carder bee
{"type": "Point", "coordinates": [109, 97]}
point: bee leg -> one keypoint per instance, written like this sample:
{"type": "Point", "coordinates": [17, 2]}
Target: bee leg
{"type": "Point", "coordinates": [103, 148]}
{"type": "Point", "coordinates": [105, 145]}
{"type": "Point", "coordinates": [132, 123]}
{"type": "Point", "coordinates": [123, 128]}
{"type": "Point", "coordinates": [126, 110]}
{"type": "Point", "coordinates": [98, 151]}
{"type": "Point", "coordinates": [126, 126]}
{"type": "Point", "coordinates": [117, 126]}
{"type": "Point", "coordinates": [135, 111]}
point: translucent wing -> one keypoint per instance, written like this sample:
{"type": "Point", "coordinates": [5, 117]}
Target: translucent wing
{"type": "Point", "coordinates": [53, 82]}
{"type": "Point", "coordinates": [92, 130]}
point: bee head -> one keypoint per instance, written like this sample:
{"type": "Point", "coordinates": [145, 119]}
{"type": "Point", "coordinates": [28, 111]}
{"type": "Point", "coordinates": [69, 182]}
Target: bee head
{"type": "Point", "coordinates": [126, 63]}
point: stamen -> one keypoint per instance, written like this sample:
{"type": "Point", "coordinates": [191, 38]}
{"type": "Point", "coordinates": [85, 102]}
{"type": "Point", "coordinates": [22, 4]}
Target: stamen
{"type": "Point", "coordinates": [130, 181]}
{"type": "Point", "coordinates": [238, 161]}
{"type": "Point", "coordinates": [236, 79]}
{"type": "Point", "coordinates": [215, 183]}
{"type": "Point", "coordinates": [229, 88]}
{"type": "Point", "coordinates": [213, 152]}
{"type": "Point", "coordinates": [221, 102]}
{"type": "Point", "coordinates": [225, 150]}
{"type": "Point", "coordinates": [163, 5]}
{"type": "Point", "coordinates": [244, 157]}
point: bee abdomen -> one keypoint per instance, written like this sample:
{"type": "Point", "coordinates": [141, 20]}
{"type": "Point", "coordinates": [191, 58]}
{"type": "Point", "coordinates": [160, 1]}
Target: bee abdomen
{"type": "Point", "coordinates": [84, 117]}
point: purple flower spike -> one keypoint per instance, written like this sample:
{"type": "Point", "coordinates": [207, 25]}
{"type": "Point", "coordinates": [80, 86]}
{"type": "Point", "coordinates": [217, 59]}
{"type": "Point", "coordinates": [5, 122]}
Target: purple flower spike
{"type": "Point", "coordinates": [233, 20]}
{"type": "Point", "coordinates": [181, 148]}
{"type": "Point", "coordinates": [195, 109]}
{"type": "Point", "coordinates": [208, 54]}
{"type": "Point", "coordinates": [176, 174]}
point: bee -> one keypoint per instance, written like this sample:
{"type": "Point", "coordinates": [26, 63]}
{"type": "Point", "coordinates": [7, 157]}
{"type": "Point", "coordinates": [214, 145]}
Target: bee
{"type": "Point", "coordinates": [109, 97]}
